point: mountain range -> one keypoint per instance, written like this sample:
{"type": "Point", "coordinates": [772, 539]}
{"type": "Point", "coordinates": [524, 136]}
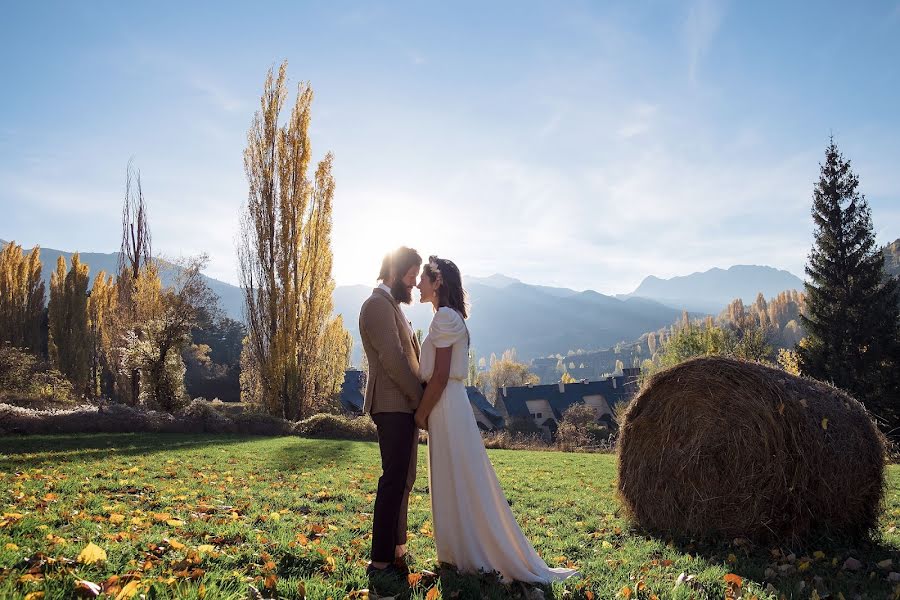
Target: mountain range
{"type": "Point", "coordinates": [536, 320]}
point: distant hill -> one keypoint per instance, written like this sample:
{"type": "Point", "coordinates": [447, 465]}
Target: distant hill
{"type": "Point", "coordinates": [710, 291]}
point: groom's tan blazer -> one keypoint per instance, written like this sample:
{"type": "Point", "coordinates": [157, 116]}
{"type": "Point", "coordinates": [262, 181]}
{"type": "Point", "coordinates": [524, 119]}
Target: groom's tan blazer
{"type": "Point", "coordinates": [393, 352]}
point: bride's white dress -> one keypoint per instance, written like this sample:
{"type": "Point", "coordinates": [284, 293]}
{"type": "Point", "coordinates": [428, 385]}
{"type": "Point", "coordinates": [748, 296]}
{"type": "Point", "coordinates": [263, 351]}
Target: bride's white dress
{"type": "Point", "coordinates": [474, 528]}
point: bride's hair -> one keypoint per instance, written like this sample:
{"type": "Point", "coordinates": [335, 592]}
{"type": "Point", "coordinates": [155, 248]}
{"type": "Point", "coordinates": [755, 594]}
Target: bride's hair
{"type": "Point", "coordinates": [451, 292]}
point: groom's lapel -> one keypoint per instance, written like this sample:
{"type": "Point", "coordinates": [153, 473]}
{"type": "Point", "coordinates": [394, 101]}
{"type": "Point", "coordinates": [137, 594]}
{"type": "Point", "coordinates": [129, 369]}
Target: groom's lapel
{"type": "Point", "coordinates": [409, 329]}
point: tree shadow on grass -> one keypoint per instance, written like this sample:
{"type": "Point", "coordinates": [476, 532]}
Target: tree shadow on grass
{"type": "Point", "coordinates": [39, 451]}
{"type": "Point", "coordinates": [797, 570]}
{"type": "Point", "coordinates": [305, 453]}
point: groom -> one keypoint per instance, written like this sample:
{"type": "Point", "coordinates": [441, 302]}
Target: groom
{"type": "Point", "coordinates": [393, 392]}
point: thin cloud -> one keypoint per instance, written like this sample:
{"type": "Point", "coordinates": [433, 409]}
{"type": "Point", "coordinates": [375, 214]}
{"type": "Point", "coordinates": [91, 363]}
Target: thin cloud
{"type": "Point", "coordinates": [700, 27]}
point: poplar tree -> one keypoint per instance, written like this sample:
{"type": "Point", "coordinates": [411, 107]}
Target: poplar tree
{"type": "Point", "coordinates": [135, 271]}
{"type": "Point", "coordinates": [102, 304]}
{"type": "Point", "coordinates": [22, 296]}
{"type": "Point", "coordinates": [294, 345]}
{"type": "Point", "coordinates": [69, 343]}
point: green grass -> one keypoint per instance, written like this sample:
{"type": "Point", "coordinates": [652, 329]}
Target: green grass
{"type": "Point", "coordinates": [187, 516]}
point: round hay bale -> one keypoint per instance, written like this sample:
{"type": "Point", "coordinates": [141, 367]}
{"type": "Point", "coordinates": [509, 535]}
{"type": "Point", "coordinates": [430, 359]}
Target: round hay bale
{"type": "Point", "coordinates": [722, 447]}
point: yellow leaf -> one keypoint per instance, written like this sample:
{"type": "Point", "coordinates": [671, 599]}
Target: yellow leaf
{"type": "Point", "coordinates": [626, 592]}
{"type": "Point", "coordinates": [12, 547]}
{"type": "Point", "coordinates": [130, 589]}
{"type": "Point", "coordinates": [174, 522]}
{"type": "Point", "coordinates": [206, 548]}
{"type": "Point", "coordinates": [116, 518]}
{"type": "Point", "coordinates": [818, 555]}
{"type": "Point", "coordinates": [275, 516]}
{"type": "Point", "coordinates": [175, 544]}
{"type": "Point", "coordinates": [91, 554]}
{"type": "Point", "coordinates": [34, 596]}
{"type": "Point", "coordinates": [160, 517]}
{"type": "Point", "coordinates": [824, 423]}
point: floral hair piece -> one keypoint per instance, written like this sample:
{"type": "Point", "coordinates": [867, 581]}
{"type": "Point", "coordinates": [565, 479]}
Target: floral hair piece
{"type": "Point", "coordinates": [434, 268]}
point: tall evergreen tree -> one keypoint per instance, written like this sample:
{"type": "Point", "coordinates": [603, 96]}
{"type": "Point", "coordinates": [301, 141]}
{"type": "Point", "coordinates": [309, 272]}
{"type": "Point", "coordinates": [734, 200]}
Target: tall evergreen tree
{"type": "Point", "coordinates": [850, 315]}
{"type": "Point", "coordinates": [69, 343]}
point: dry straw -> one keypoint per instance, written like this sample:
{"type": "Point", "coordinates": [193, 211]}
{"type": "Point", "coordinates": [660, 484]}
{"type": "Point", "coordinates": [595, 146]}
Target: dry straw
{"type": "Point", "coordinates": [718, 446]}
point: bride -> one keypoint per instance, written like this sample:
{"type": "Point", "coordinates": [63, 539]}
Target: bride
{"type": "Point", "coordinates": [474, 528]}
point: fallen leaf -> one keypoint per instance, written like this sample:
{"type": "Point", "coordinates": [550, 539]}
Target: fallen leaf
{"type": "Point", "coordinates": [87, 589]}
{"type": "Point", "coordinates": [433, 594]}
{"type": "Point", "coordinates": [91, 554]}
{"type": "Point", "coordinates": [129, 590]}
{"type": "Point", "coordinates": [824, 423]}
{"type": "Point", "coordinates": [851, 564]}
{"type": "Point", "coordinates": [733, 579]}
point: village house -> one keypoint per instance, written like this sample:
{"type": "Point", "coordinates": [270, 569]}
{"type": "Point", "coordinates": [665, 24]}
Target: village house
{"type": "Point", "coordinates": [544, 405]}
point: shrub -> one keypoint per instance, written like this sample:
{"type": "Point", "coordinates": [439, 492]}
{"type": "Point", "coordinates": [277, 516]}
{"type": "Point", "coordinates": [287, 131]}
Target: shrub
{"type": "Point", "coordinates": [337, 427]}
{"type": "Point", "coordinates": [26, 378]}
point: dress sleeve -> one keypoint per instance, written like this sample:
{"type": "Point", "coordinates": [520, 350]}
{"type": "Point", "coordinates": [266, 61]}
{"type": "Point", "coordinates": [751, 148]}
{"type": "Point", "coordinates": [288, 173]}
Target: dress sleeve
{"type": "Point", "coordinates": [447, 328]}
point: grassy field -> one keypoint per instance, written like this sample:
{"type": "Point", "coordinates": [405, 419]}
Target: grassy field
{"type": "Point", "coordinates": [206, 517]}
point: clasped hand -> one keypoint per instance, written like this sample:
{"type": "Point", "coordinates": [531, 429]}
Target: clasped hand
{"type": "Point", "coordinates": [421, 419]}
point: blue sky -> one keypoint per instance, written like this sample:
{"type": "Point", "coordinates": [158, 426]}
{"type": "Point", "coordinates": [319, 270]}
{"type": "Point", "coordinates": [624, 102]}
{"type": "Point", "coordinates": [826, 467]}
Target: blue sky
{"type": "Point", "coordinates": [578, 144]}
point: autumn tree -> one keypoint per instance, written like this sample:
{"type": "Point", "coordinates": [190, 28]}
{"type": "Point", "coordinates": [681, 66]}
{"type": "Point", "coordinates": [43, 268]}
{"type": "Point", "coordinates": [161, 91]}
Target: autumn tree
{"type": "Point", "coordinates": [505, 371]}
{"type": "Point", "coordinates": [136, 274]}
{"type": "Point", "coordinates": [69, 344]}
{"type": "Point", "coordinates": [294, 346]}
{"type": "Point", "coordinates": [851, 310]}
{"type": "Point", "coordinates": [22, 296]}
{"type": "Point", "coordinates": [101, 308]}
{"type": "Point", "coordinates": [165, 320]}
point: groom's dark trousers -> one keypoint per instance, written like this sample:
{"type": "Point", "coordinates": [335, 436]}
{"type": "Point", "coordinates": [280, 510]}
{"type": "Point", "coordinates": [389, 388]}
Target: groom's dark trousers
{"type": "Point", "coordinates": [398, 439]}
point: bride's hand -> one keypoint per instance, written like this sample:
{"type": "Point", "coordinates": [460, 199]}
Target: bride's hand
{"type": "Point", "coordinates": [421, 420]}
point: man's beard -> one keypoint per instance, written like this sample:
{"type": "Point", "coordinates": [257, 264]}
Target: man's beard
{"type": "Point", "coordinates": [401, 293]}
